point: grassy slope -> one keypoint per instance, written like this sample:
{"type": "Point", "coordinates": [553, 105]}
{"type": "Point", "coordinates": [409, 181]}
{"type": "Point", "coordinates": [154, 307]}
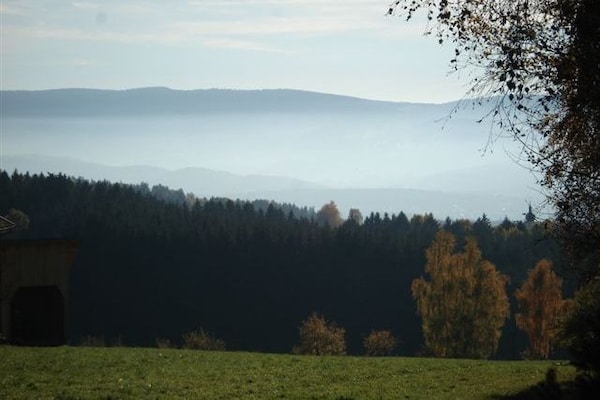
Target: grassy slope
{"type": "Point", "coordinates": [123, 373]}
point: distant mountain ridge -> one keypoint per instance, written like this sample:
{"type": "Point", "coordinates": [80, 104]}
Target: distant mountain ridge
{"type": "Point", "coordinates": [286, 145]}
{"type": "Point", "coordinates": [202, 182]}
{"type": "Point", "coordinates": [165, 101]}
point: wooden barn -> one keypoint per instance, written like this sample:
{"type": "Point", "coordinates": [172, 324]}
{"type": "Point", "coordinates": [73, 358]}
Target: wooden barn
{"type": "Point", "coordinates": [34, 280]}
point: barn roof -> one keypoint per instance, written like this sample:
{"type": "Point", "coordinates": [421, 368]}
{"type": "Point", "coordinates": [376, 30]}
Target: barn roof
{"type": "Point", "coordinates": [5, 225]}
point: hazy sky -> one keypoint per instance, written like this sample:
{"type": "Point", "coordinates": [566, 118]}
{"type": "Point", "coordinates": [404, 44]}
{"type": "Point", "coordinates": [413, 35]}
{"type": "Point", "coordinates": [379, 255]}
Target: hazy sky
{"type": "Point", "coordinates": [336, 46]}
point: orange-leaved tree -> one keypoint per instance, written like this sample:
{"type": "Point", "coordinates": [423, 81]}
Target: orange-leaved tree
{"type": "Point", "coordinates": [541, 304]}
{"type": "Point", "coordinates": [463, 304]}
{"type": "Point", "coordinates": [318, 337]}
{"type": "Point", "coordinates": [329, 215]}
{"type": "Point", "coordinates": [379, 343]}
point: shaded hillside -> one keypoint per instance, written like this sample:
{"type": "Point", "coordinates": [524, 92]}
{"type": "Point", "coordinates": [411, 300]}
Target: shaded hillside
{"type": "Point", "coordinates": [148, 269]}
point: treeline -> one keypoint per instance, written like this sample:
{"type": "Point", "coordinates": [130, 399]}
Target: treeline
{"type": "Point", "coordinates": [181, 198]}
{"type": "Point", "coordinates": [149, 268]}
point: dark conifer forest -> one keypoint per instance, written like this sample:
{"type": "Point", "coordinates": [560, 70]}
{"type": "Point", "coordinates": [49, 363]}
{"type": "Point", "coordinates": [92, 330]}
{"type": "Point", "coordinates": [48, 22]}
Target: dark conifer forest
{"type": "Point", "coordinates": [155, 263]}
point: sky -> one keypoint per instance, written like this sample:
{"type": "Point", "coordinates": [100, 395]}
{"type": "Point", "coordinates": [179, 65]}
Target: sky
{"type": "Point", "coordinates": [347, 47]}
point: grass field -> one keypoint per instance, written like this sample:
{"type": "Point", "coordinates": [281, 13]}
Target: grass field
{"type": "Point", "coordinates": [144, 373]}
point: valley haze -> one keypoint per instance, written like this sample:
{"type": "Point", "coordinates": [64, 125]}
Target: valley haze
{"type": "Point", "coordinates": [285, 145]}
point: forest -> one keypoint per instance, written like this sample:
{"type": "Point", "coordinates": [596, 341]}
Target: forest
{"type": "Point", "coordinates": [154, 263]}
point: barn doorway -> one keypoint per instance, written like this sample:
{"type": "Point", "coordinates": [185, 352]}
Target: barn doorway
{"type": "Point", "coordinates": [38, 316]}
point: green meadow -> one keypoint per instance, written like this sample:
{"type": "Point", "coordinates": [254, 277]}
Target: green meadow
{"type": "Point", "coordinates": [146, 373]}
